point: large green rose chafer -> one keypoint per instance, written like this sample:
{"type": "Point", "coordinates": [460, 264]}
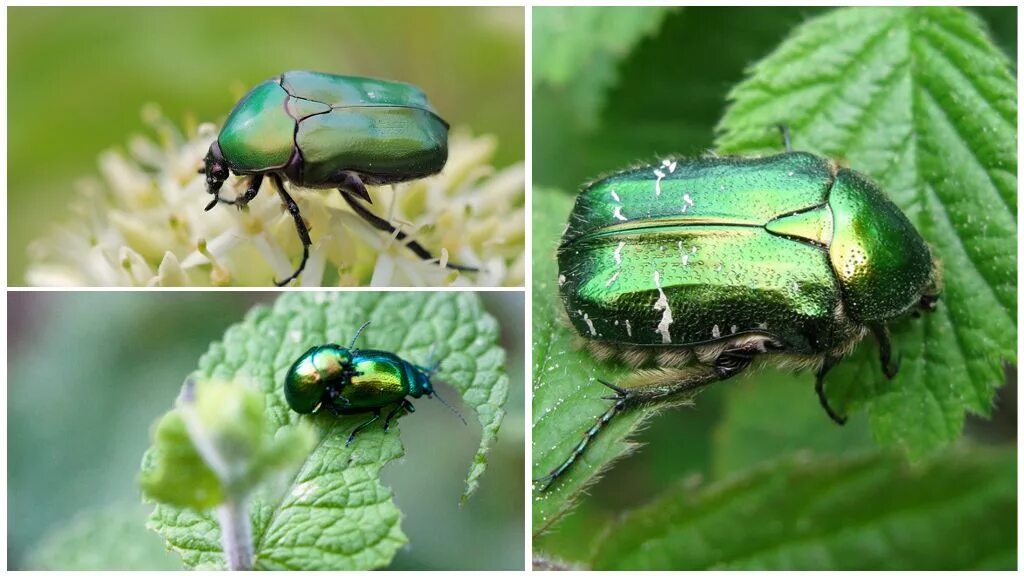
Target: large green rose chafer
{"type": "Point", "coordinates": [692, 270]}
{"type": "Point", "coordinates": [352, 381]}
{"type": "Point", "coordinates": [327, 131]}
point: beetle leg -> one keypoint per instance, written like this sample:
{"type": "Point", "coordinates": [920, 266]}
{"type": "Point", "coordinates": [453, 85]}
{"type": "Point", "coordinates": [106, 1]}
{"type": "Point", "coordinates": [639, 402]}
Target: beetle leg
{"type": "Point", "coordinates": [621, 397]}
{"type": "Point", "coordinates": [819, 388]}
{"type": "Point", "coordinates": [300, 227]}
{"type": "Point", "coordinates": [353, 184]}
{"type": "Point", "coordinates": [889, 368]}
{"type": "Point", "coordinates": [250, 192]}
{"type": "Point", "coordinates": [404, 405]}
{"type": "Point", "coordinates": [358, 429]}
{"type": "Point", "coordinates": [383, 225]}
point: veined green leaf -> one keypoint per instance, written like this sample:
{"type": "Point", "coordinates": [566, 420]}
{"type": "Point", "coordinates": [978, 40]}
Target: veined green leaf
{"type": "Point", "coordinates": [566, 392]}
{"type": "Point", "coordinates": [854, 513]}
{"type": "Point", "coordinates": [920, 100]}
{"type": "Point", "coordinates": [576, 49]}
{"type": "Point", "coordinates": [334, 513]}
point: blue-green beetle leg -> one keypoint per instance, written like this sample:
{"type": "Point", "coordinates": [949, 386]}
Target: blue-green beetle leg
{"type": "Point", "coordinates": [385, 226]}
{"type": "Point", "coordinates": [300, 227]}
{"type": "Point", "coordinates": [889, 368]}
{"type": "Point", "coordinates": [819, 388]}
{"type": "Point", "coordinates": [785, 137]}
{"type": "Point", "coordinates": [358, 429]}
{"type": "Point", "coordinates": [350, 182]}
{"type": "Point", "coordinates": [404, 405]}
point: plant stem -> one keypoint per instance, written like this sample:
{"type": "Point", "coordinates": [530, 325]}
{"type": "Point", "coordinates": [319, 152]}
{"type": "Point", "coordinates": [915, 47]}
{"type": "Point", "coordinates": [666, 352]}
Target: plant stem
{"type": "Point", "coordinates": [236, 533]}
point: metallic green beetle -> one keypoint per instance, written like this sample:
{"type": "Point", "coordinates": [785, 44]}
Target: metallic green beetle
{"type": "Point", "coordinates": [327, 131]}
{"type": "Point", "coordinates": [353, 381]}
{"type": "Point", "coordinates": [691, 270]}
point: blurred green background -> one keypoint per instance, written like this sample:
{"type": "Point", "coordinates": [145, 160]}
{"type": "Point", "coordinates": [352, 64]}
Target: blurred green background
{"type": "Point", "coordinates": [625, 105]}
{"type": "Point", "coordinates": [78, 78]}
{"type": "Point", "coordinates": [89, 373]}
{"type": "Point", "coordinates": [642, 113]}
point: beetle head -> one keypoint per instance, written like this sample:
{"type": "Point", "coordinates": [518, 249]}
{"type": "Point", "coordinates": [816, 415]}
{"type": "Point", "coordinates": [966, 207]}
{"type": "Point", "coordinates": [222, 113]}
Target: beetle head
{"type": "Point", "coordinates": [215, 168]}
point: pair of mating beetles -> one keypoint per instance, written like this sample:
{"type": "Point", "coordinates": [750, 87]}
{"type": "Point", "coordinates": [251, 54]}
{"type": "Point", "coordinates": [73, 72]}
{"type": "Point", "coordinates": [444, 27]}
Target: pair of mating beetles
{"type": "Point", "coordinates": [353, 381]}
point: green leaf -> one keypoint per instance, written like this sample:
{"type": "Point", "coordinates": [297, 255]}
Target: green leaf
{"type": "Point", "coordinates": [667, 97]}
{"type": "Point", "coordinates": [566, 393]}
{"type": "Point", "coordinates": [920, 100]}
{"type": "Point", "coordinates": [858, 513]}
{"type": "Point", "coordinates": [218, 425]}
{"type": "Point", "coordinates": [112, 538]}
{"type": "Point", "coordinates": [174, 472]}
{"type": "Point", "coordinates": [576, 49]}
{"type": "Point", "coordinates": [773, 414]}
{"type": "Point", "coordinates": [334, 513]}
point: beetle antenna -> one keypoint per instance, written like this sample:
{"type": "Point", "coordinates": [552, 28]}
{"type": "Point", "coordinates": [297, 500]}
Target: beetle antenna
{"type": "Point", "coordinates": [352, 346]}
{"type": "Point", "coordinates": [452, 408]}
{"type": "Point", "coordinates": [432, 363]}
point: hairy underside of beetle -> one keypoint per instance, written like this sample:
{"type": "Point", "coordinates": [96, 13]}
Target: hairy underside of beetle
{"type": "Point", "coordinates": [662, 372]}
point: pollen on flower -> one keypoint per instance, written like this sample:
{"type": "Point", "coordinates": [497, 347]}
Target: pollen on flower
{"type": "Point", "coordinates": [142, 223]}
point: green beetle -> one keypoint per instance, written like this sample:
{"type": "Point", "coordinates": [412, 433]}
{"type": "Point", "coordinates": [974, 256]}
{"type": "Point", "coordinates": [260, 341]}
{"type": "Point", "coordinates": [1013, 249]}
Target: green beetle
{"type": "Point", "coordinates": [692, 270]}
{"type": "Point", "coordinates": [353, 381]}
{"type": "Point", "coordinates": [327, 131]}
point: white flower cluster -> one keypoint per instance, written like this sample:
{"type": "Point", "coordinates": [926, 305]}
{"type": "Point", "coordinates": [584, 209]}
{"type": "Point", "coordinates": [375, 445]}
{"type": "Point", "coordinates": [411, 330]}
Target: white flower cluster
{"type": "Point", "coordinates": [144, 225]}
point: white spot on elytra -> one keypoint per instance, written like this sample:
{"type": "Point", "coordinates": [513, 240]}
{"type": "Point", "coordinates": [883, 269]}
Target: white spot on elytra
{"type": "Point", "coordinates": [618, 214]}
{"type": "Point", "coordinates": [618, 254]}
{"type": "Point", "coordinates": [683, 256]}
{"type": "Point", "coordinates": [657, 182]}
{"type": "Point", "coordinates": [561, 279]}
{"type": "Point", "coordinates": [590, 325]}
{"type": "Point", "coordinates": [715, 331]}
{"type": "Point", "coordinates": [612, 279]}
{"type": "Point", "coordinates": [732, 329]}
{"type": "Point", "coordinates": [762, 325]}
{"type": "Point", "coordinates": [795, 286]}
{"type": "Point", "coordinates": [687, 202]}
{"type": "Point", "coordinates": [670, 164]}
{"type": "Point", "coordinates": [615, 196]}
{"type": "Point", "coordinates": [629, 329]}
{"type": "Point", "coordinates": [790, 173]}
{"type": "Point", "coordinates": [666, 311]}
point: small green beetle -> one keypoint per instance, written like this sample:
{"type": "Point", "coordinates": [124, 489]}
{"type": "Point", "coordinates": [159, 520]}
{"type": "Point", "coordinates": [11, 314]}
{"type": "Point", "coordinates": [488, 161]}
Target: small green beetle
{"type": "Point", "coordinates": [353, 381]}
{"type": "Point", "coordinates": [692, 270]}
{"type": "Point", "coordinates": [327, 131]}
